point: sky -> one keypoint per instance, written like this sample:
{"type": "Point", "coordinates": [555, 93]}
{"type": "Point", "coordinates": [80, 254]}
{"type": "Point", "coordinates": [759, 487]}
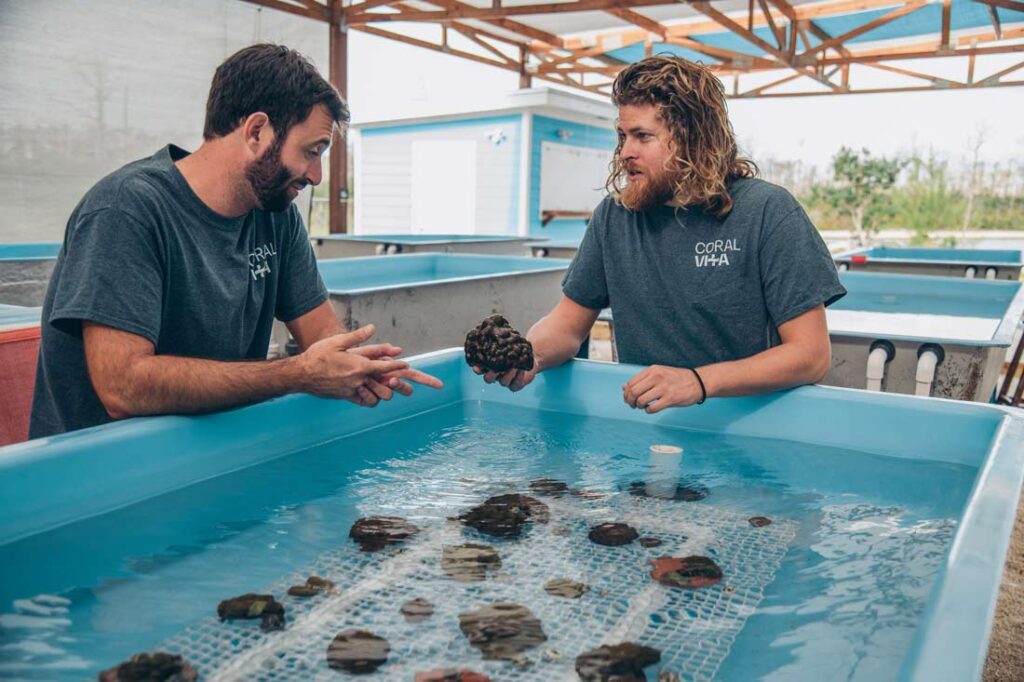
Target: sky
{"type": "Point", "coordinates": [807, 128]}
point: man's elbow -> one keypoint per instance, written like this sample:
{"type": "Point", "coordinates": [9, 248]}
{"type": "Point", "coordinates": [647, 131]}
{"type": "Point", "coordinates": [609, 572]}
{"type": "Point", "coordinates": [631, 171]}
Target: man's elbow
{"type": "Point", "coordinates": [820, 364]}
{"type": "Point", "coordinates": [117, 405]}
{"type": "Point", "coordinates": [115, 395]}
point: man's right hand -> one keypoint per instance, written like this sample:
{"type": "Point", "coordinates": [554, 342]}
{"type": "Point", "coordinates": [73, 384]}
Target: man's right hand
{"type": "Point", "coordinates": [514, 379]}
{"type": "Point", "coordinates": [329, 370]}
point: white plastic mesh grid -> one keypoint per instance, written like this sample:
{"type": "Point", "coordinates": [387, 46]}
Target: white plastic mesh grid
{"type": "Point", "coordinates": [694, 629]}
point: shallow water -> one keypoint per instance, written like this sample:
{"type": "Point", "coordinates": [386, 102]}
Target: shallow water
{"type": "Point", "coordinates": [833, 588]}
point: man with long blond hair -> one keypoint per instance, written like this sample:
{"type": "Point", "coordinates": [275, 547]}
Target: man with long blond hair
{"type": "Point", "coordinates": [718, 281]}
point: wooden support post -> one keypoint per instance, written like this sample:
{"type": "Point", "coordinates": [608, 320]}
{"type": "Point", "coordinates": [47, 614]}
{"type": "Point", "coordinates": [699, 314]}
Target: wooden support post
{"type": "Point", "coordinates": [525, 80]}
{"type": "Point", "coordinates": [946, 8]}
{"type": "Point", "coordinates": [337, 205]}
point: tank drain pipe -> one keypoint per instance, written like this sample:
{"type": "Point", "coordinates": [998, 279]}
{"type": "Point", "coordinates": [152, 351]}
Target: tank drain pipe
{"type": "Point", "coordinates": [990, 273]}
{"type": "Point", "coordinates": [882, 352]}
{"type": "Point", "coordinates": [929, 356]}
{"type": "Point", "coordinates": [970, 272]}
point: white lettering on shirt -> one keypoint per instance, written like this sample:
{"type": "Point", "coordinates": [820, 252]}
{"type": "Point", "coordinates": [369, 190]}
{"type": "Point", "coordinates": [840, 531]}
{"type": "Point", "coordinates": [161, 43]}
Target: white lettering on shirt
{"type": "Point", "coordinates": [714, 253]}
{"type": "Point", "coordinates": [259, 260]}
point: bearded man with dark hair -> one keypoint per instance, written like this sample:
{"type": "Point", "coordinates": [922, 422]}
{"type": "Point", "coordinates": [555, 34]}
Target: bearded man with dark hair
{"type": "Point", "coordinates": [174, 267]}
{"type": "Point", "coordinates": [717, 280]}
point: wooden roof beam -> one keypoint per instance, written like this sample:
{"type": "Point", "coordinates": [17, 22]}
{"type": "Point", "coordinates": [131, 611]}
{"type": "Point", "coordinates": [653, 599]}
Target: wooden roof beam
{"type": "Point", "coordinates": [994, 13]}
{"type": "Point", "coordinates": [416, 42]}
{"type": "Point", "coordinates": [465, 11]}
{"type": "Point", "coordinates": [474, 33]}
{"type": "Point", "coordinates": [549, 39]}
{"type": "Point", "coordinates": [947, 9]}
{"type": "Point", "coordinates": [637, 19]}
{"type": "Point", "coordinates": [908, 8]}
{"type": "Point", "coordinates": [694, 28]}
{"type": "Point", "coordinates": [321, 14]}
{"type": "Point", "coordinates": [877, 91]}
{"type": "Point", "coordinates": [368, 5]}
{"type": "Point", "coordinates": [924, 54]}
{"type": "Point", "coordinates": [1014, 5]}
{"type": "Point", "coordinates": [780, 36]}
{"type": "Point", "coordinates": [935, 80]}
{"type": "Point", "coordinates": [739, 59]}
{"type": "Point", "coordinates": [730, 24]}
{"type": "Point", "coordinates": [996, 77]}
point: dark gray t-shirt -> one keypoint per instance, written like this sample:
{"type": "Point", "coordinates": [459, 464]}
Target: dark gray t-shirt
{"type": "Point", "coordinates": [687, 289]}
{"type": "Point", "coordinates": [142, 253]}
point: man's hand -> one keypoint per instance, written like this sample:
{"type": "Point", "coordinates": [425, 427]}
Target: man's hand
{"type": "Point", "coordinates": [333, 368]}
{"type": "Point", "coordinates": [658, 387]}
{"type": "Point", "coordinates": [514, 379]}
{"type": "Point", "coordinates": [394, 380]}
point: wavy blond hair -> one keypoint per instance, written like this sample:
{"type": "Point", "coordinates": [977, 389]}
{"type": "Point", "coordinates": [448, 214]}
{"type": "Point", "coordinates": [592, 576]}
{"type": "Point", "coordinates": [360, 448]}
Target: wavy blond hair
{"type": "Point", "coordinates": [691, 103]}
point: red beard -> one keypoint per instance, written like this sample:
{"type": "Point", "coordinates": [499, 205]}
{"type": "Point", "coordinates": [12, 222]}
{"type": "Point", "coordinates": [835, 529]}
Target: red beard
{"type": "Point", "coordinates": [648, 192]}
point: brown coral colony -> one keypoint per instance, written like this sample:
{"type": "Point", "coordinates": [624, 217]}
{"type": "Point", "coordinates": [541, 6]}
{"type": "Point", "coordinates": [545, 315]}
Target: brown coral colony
{"type": "Point", "coordinates": [495, 346]}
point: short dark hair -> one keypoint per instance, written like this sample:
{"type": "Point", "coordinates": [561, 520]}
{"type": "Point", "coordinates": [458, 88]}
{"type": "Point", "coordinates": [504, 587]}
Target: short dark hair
{"type": "Point", "coordinates": [273, 79]}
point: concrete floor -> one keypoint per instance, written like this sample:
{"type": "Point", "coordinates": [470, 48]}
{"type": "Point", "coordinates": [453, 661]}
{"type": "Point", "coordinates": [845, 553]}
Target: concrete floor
{"type": "Point", "coordinates": [1006, 649]}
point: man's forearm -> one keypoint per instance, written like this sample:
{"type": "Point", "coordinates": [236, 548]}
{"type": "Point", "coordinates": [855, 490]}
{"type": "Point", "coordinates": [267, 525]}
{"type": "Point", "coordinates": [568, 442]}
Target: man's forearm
{"type": "Point", "coordinates": [167, 384]}
{"type": "Point", "coordinates": [553, 343]}
{"type": "Point", "coordinates": [775, 369]}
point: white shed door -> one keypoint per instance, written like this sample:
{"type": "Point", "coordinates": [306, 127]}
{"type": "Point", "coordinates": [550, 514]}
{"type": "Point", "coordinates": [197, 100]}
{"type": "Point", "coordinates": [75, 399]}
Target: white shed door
{"type": "Point", "coordinates": [443, 187]}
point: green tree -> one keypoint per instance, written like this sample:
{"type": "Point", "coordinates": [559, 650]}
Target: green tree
{"type": "Point", "coordinates": [928, 201]}
{"type": "Point", "coordinates": [860, 188]}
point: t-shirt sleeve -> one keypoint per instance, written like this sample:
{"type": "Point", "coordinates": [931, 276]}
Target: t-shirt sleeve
{"type": "Point", "coordinates": [797, 271]}
{"type": "Point", "coordinates": [111, 274]}
{"type": "Point", "coordinates": [300, 287]}
{"type": "Point", "coordinates": [584, 281]}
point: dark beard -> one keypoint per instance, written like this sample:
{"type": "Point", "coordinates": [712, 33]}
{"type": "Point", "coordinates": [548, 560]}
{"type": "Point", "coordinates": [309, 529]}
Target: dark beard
{"type": "Point", "coordinates": [270, 180]}
{"type": "Point", "coordinates": [655, 191]}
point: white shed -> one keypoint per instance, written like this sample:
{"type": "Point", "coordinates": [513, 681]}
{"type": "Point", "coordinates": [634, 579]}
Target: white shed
{"type": "Point", "coordinates": [534, 167]}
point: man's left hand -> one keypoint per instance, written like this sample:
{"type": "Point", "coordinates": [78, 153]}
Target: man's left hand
{"type": "Point", "coordinates": [658, 387]}
{"type": "Point", "coordinates": [394, 380]}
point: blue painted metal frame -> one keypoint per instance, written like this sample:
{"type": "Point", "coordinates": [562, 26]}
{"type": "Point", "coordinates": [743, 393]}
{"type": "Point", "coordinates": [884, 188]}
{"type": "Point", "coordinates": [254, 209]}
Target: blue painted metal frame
{"type": "Point", "coordinates": [29, 251]}
{"type": "Point", "coordinates": [376, 273]}
{"type": "Point", "coordinates": [16, 316]}
{"type": "Point", "coordinates": [554, 243]}
{"type": "Point", "coordinates": [997, 257]}
{"type": "Point", "coordinates": [924, 294]}
{"type": "Point", "coordinates": [420, 239]}
{"type": "Point", "coordinates": [51, 482]}
{"type": "Point", "coordinates": [878, 292]}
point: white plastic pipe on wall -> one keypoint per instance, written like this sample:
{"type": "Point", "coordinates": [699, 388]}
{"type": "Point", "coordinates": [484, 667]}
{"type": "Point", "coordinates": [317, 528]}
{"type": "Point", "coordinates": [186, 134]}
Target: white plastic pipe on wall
{"type": "Point", "coordinates": [876, 368]}
{"type": "Point", "coordinates": [927, 361]}
{"type": "Point", "coordinates": [970, 272]}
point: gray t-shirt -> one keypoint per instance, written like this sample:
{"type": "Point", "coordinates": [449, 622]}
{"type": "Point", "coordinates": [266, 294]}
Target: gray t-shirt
{"type": "Point", "coordinates": [687, 289]}
{"type": "Point", "coordinates": [142, 253]}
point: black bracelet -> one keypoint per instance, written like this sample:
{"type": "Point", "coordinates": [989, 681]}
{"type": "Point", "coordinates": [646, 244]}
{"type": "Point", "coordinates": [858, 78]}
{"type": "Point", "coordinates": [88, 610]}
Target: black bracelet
{"type": "Point", "coordinates": [703, 391]}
